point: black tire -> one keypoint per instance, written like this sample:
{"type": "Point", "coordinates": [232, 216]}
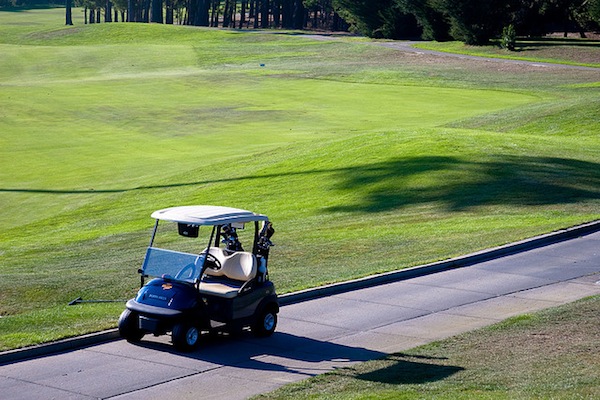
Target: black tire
{"type": "Point", "coordinates": [129, 326]}
{"type": "Point", "coordinates": [185, 337]}
{"type": "Point", "coordinates": [265, 323]}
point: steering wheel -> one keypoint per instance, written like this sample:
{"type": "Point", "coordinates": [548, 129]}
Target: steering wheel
{"type": "Point", "coordinates": [189, 271]}
{"type": "Point", "coordinates": [212, 262]}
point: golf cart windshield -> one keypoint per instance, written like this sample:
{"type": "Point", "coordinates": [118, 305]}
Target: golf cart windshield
{"type": "Point", "coordinates": [172, 264]}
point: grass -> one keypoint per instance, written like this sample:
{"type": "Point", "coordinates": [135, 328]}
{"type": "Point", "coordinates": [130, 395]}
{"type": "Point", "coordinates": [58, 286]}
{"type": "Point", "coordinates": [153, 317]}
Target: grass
{"type": "Point", "coordinates": [349, 148]}
{"type": "Point", "coordinates": [549, 355]}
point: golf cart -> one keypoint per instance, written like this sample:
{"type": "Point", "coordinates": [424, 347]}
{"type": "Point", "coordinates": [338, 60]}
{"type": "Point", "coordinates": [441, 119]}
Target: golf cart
{"type": "Point", "coordinates": [206, 287]}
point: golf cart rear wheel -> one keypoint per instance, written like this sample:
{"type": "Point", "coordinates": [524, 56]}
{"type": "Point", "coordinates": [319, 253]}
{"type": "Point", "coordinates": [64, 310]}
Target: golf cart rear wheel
{"type": "Point", "coordinates": [185, 337]}
{"type": "Point", "coordinates": [265, 324]}
{"type": "Point", "coordinates": [129, 326]}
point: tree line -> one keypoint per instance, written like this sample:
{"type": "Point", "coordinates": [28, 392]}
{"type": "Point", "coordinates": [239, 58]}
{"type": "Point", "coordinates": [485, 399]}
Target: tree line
{"type": "Point", "coordinates": [470, 21]}
{"type": "Point", "coordinates": [242, 14]}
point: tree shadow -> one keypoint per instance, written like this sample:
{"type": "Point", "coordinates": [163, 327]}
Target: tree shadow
{"type": "Point", "coordinates": [25, 8]}
{"type": "Point", "coordinates": [454, 183]}
{"type": "Point", "coordinates": [556, 42]}
{"type": "Point", "coordinates": [404, 371]}
{"type": "Point", "coordinates": [458, 184]}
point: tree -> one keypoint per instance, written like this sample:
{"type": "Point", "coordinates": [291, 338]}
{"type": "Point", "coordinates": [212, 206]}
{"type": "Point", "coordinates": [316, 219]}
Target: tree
{"type": "Point", "coordinates": [594, 7]}
{"type": "Point", "coordinates": [379, 18]}
{"type": "Point", "coordinates": [475, 21]}
{"type": "Point", "coordinates": [508, 39]}
{"type": "Point", "coordinates": [433, 23]}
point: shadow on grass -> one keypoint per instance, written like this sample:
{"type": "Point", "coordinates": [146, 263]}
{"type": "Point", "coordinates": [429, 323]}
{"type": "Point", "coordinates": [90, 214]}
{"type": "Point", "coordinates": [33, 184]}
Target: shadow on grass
{"type": "Point", "coordinates": [29, 8]}
{"type": "Point", "coordinates": [451, 182]}
{"type": "Point", "coordinates": [459, 184]}
{"type": "Point", "coordinates": [555, 42]}
{"type": "Point", "coordinates": [405, 371]}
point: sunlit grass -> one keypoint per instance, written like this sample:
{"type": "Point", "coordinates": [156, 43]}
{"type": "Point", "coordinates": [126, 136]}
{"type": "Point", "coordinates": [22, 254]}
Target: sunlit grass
{"type": "Point", "coordinates": [353, 151]}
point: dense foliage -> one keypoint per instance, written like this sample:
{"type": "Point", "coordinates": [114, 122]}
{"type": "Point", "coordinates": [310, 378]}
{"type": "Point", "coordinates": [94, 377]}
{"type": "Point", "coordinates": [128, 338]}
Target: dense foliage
{"type": "Point", "coordinates": [471, 21]}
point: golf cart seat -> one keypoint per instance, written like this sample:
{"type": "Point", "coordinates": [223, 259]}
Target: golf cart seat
{"type": "Point", "coordinates": [236, 271]}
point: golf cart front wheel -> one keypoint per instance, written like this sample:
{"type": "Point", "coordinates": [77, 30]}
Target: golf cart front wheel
{"type": "Point", "coordinates": [265, 324]}
{"type": "Point", "coordinates": [129, 326]}
{"type": "Point", "coordinates": [185, 337]}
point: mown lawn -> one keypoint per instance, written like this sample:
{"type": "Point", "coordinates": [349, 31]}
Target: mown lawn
{"type": "Point", "coordinates": [366, 159]}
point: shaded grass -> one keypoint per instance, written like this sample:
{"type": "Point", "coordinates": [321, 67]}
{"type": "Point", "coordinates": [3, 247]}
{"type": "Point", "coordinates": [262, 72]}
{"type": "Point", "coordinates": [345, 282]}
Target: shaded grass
{"type": "Point", "coordinates": [349, 148]}
{"type": "Point", "coordinates": [549, 354]}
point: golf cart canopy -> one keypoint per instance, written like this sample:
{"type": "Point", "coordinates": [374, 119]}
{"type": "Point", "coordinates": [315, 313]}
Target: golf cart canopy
{"type": "Point", "coordinates": [207, 215]}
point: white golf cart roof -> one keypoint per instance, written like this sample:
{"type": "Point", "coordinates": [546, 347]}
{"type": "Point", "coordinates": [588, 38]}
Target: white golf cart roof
{"type": "Point", "coordinates": [207, 215]}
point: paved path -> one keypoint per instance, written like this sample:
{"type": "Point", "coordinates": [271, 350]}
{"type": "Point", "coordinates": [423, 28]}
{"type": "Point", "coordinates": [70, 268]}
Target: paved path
{"type": "Point", "coordinates": [407, 46]}
{"type": "Point", "coordinates": [318, 335]}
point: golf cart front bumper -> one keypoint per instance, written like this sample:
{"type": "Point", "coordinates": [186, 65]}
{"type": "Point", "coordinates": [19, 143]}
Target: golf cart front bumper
{"type": "Point", "coordinates": [153, 319]}
{"type": "Point", "coordinates": [154, 311]}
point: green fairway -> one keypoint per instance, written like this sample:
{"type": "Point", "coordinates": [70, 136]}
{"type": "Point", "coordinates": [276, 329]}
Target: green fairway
{"type": "Point", "coordinates": [365, 158]}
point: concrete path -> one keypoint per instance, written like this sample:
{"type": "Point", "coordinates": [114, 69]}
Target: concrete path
{"type": "Point", "coordinates": [318, 335]}
{"type": "Point", "coordinates": [407, 46]}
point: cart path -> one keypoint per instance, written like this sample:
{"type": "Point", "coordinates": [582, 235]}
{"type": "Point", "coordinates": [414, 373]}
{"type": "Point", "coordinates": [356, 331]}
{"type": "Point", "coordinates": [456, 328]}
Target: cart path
{"type": "Point", "coordinates": [319, 335]}
{"type": "Point", "coordinates": [407, 46]}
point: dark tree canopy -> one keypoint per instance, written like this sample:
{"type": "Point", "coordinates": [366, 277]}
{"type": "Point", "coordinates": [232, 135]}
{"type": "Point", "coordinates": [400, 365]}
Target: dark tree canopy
{"type": "Point", "coordinates": [471, 21]}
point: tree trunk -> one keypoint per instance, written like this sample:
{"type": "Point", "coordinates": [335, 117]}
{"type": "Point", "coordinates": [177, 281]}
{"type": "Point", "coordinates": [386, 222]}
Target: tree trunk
{"type": "Point", "coordinates": [130, 10]}
{"type": "Point", "coordinates": [108, 11]}
{"type": "Point", "coordinates": [243, 14]}
{"type": "Point", "coordinates": [214, 19]}
{"type": "Point", "coordinates": [203, 12]}
{"type": "Point", "coordinates": [169, 12]}
{"type": "Point", "coordinates": [256, 5]}
{"type": "Point", "coordinates": [287, 14]}
{"type": "Point", "coordinates": [156, 11]}
{"type": "Point", "coordinates": [226, 13]}
{"type": "Point", "coordinates": [264, 14]}
{"type": "Point", "coordinates": [299, 14]}
{"type": "Point", "coordinates": [68, 13]}
{"type": "Point", "coordinates": [146, 11]}
{"type": "Point", "coordinates": [276, 11]}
